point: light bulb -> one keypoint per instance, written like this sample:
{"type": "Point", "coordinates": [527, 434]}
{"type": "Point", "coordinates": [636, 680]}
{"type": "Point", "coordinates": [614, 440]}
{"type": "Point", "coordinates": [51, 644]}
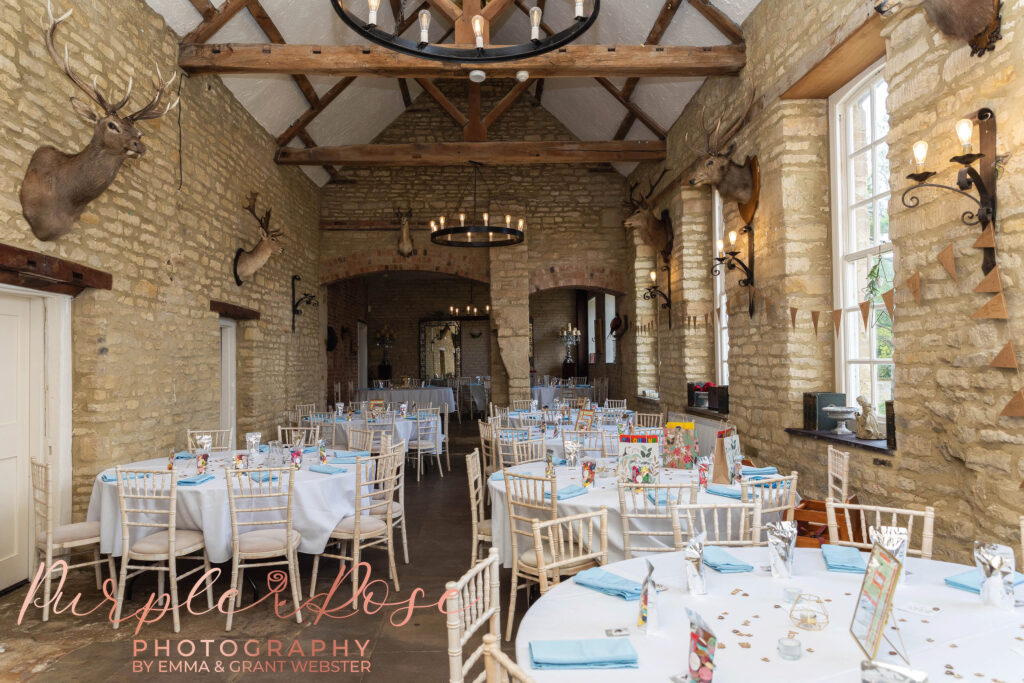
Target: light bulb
{"type": "Point", "coordinates": [424, 26]}
{"type": "Point", "coordinates": [508, 221]}
{"type": "Point", "coordinates": [462, 220]}
{"type": "Point", "coordinates": [579, 9]}
{"type": "Point", "coordinates": [965, 131]}
{"type": "Point", "coordinates": [451, 309]}
{"type": "Point", "coordinates": [487, 308]}
{"type": "Point", "coordinates": [486, 217]}
{"type": "Point", "coordinates": [721, 247]}
{"type": "Point", "coordinates": [732, 238]}
{"type": "Point", "coordinates": [920, 154]}
{"type": "Point", "coordinates": [654, 276]}
{"type": "Point", "coordinates": [474, 310]}
{"type": "Point", "coordinates": [535, 16]}
{"type": "Point", "coordinates": [373, 5]}
{"type": "Point", "coordinates": [433, 226]}
{"type": "Point", "coordinates": [522, 225]}
{"type": "Point", "coordinates": [478, 30]}
{"type": "Point", "coordinates": [441, 221]}
{"type": "Point", "coordinates": [456, 311]}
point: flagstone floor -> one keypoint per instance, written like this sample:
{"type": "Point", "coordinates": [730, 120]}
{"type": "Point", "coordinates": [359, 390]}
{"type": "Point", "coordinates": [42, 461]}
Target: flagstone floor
{"type": "Point", "coordinates": [87, 648]}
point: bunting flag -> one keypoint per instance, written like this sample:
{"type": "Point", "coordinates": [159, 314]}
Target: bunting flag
{"type": "Point", "coordinates": [991, 284]}
{"type": "Point", "coordinates": [948, 260]}
{"type": "Point", "coordinates": [814, 319]}
{"type": "Point", "coordinates": [994, 309]}
{"type": "Point", "coordinates": [1015, 408]}
{"type": "Point", "coordinates": [792, 316]}
{"type": "Point", "coordinates": [914, 285]}
{"type": "Point", "coordinates": [865, 312]}
{"type": "Point", "coordinates": [890, 301]}
{"type": "Point", "coordinates": [837, 320]}
{"type": "Point", "coordinates": [1007, 358]}
{"type": "Point", "coordinates": [987, 239]}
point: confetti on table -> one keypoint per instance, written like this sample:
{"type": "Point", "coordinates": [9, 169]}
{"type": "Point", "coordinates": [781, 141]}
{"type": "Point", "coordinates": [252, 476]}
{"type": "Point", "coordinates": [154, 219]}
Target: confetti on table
{"type": "Point", "coordinates": [791, 634]}
{"type": "Point", "coordinates": [765, 659]}
{"type": "Point", "coordinates": [746, 595]}
{"type": "Point", "coordinates": [736, 590]}
{"type": "Point", "coordinates": [745, 645]}
{"type": "Point", "coordinates": [810, 649]}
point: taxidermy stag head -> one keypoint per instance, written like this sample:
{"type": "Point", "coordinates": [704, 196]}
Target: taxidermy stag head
{"type": "Point", "coordinates": [654, 231]}
{"type": "Point", "coordinates": [405, 246]}
{"type": "Point", "coordinates": [977, 22]}
{"type": "Point", "coordinates": [248, 262]}
{"type": "Point", "coordinates": [716, 167]}
{"type": "Point", "coordinates": [58, 186]}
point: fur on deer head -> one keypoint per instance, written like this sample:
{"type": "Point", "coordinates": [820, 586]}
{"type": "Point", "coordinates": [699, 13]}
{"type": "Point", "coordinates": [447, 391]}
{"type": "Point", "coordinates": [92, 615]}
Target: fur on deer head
{"type": "Point", "coordinates": [248, 262]}
{"type": "Point", "coordinates": [405, 245]}
{"type": "Point", "coordinates": [58, 186]}
{"type": "Point", "coordinates": [716, 167]}
{"type": "Point", "coordinates": [976, 22]}
{"type": "Point", "coordinates": [654, 231]}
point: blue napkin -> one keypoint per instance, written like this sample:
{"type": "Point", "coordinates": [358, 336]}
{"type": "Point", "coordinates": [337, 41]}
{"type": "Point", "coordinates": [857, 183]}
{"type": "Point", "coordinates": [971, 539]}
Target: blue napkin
{"type": "Point", "coordinates": [497, 476]}
{"type": "Point", "coordinates": [262, 476]}
{"type": "Point", "coordinates": [843, 558]}
{"type": "Point", "coordinates": [662, 497]}
{"type": "Point", "coordinates": [183, 455]}
{"type": "Point", "coordinates": [971, 580]}
{"type": "Point", "coordinates": [196, 479]}
{"type": "Point", "coordinates": [725, 491]}
{"type": "Point", "coordinates": [265, 448]}
{"type": "Point", "coordinates": [348, 457]}
{"type": "Point", "coordinates": [760, 471]}
{"type": "Point", "coordinates": [570, 491]}
{"type": "Point", "coordinates": [721, 561]}
{"type": "Point", "coordinates": [608, 583]}
{"type": "Point", "coordinates": [327, 469]}
{"type": "Point", "coordinates": [112, 477]}
{"type": "Point", "coordinates": [598, 653]}
{"type": "Point", "coordinates": [310, 449]}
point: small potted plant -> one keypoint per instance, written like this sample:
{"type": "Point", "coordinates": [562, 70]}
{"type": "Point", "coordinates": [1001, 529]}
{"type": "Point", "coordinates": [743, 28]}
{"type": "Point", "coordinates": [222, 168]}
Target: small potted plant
{"type": "Point", "coordinates": [700, 394]}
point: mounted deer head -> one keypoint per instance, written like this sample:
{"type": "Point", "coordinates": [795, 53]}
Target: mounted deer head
{"type": "Point", "coordinates": [58, 186]}
{"type": "Point", "coordinates": [655, 232]}
{"type": "Point", "coordinates": [405, 245]}
{"type": "Point", "coordinates": [248, 262]}
{"type": "Point", "coordinates": [976, 22]}
{"type": "Point", "coordinates": [715, 167]}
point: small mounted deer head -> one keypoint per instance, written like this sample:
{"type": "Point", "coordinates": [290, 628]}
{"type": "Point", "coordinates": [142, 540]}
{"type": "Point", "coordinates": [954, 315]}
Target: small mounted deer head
{"type": "Point", "coordinates": [405, 245]}
{"type": "Point", "coordinates": [715, 167]}
{"type": "Point", "coordinates": [655, 232]}
{"type": "Point", "coordinates": [976, 22]}
{"type": "Point", "coordinates": [248, 262]}
{"type": "Point", "coordinates": [58, 186]}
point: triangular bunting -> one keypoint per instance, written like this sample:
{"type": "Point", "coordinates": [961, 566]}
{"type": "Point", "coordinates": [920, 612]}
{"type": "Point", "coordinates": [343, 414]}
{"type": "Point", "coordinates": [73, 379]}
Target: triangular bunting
{"type": "Point", "coordinates": [865, 312]}
{"type": "Point", "coordinates": [890, 300]}
{"type": "Point", "coordinates": [914, 285]}
{"type": "Point", "coordinates": [814, 319]}
{"type": "Point", "coordinates": [987, 239]}
{"type": "Point", "coordinates": [1015, 408]}
{"type": "Point", "coordinates": [948, 260]}
{"type": "Point", "coordinates": [1007, 358]}
{"type": "Point", "coordinates": [792, 316]}
{"type": "Point", "coordinates": [837, 319]}
{"type": "Point", "coordinates": [991, 284]}
{"type": "Point", "coordinates": [995, 309]}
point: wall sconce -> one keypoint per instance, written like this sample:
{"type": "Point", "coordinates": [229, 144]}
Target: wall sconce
{"type": "Point", "coordinates": [982, 179]}
{"type": "Point", "coordinates": [297, 304]}
{"type": "Point", "coordinates": [653, 292]}
{"type": "Point", "coordinates": [731, 260]}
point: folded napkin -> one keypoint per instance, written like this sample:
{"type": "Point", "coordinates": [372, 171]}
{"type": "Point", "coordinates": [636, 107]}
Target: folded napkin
{"type": "Point", "coordinates": [608, 583]}
{"type": "Point", "coordinates": [598, 653]}
{"type": "Point", "coordinates": [262, 476]}
{"type": "Point", "coordinates": [725, 491]}
{"type": "Point", "coordinates": [721, 561]}
{"type": "Point", "coordinates": [349, 457]}
{"type": "Point", "coordinates": [111, 476]}
{"type": "Point", "coordinates": [327, 469]}
{"type": "Point", "coordinates": [971, 580]}
{"type": "Point", "coordinates": [196, 479]}
{"type": "Point", "coordinates": [497, 476]}
{"type": "Point", "coordinates": [570, 491]}
{"type": "Point", "coordinates": [760, 471]}
{"type": "Point", "coordinates": [265, 448]}
{"type": "Point", "coordinates": [183, 455]}
{"type": "Point", "coordinates": [662, 497]}
{"type": "Point", "coordinates": [310, 449]}
{"type": "Point", "coordinates": [843, 558]}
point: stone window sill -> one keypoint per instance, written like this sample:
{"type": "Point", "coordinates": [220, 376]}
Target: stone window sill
{"type": "Point", "coordinates": [877, 446]}
{"type": "Point", "coordinates": [707, 412]}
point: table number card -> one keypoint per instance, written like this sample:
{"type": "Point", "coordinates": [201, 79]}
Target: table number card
{"type": "Point", "coordinates": [874, 602]}
{"type": "Point", "coordinates": [681, 450]}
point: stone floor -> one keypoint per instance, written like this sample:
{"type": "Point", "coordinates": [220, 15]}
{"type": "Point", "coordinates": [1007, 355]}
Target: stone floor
{"type": "Point", "coordinates": [86, 648]}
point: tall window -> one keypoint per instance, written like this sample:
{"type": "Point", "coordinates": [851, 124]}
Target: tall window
{"type": "Point", "coordinates": [862, 251]}
{"type": "Point", "coordinates": [722, 319]}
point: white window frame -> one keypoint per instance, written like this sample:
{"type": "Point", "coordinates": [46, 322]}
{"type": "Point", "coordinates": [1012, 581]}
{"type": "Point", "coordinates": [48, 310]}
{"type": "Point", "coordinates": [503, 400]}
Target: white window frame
{"type": "Point", "coordinates": [719, 293]}
{"type": "Point", "coordinates": [840, 158]}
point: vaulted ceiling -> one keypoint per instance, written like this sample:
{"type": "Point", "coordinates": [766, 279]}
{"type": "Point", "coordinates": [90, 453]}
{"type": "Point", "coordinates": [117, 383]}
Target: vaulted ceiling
{"type": "Point", "coordinates": [365, 108]}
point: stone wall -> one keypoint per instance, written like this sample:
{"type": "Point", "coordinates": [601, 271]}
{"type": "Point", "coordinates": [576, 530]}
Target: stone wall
{"type": "Point", "coordinates": [550, 311]}
{"type": "Point", "coordinates": [146, 355]}
{"type": "Point", "coordinates": [955, 452]}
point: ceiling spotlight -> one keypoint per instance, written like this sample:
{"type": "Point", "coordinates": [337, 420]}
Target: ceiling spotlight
{"type": "Point", "coordinates": [522, 76]}
{"type": "Point", "coordinates": [477, 76]}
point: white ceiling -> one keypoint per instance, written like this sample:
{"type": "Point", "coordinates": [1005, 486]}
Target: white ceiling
{"type": "Point", "coordinates": [366, 108]}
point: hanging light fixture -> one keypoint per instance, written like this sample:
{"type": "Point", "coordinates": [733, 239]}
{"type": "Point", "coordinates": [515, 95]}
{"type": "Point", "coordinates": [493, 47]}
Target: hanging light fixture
{"type": "Point", "coordinates": [481, 51]}
{"type": "Point", "coordinates": [472, 233]}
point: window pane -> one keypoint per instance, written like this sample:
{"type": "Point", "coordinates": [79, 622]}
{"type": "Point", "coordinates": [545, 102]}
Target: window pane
{"type": "Point", "coordinates": [860, 176]}
{"type": "Point", "coordinates": [882, 213]}
{"type": "Point", "coordinates": [860, 121]}
{"type": "Point", "coordinates": [881, 116]}
{"type": "Point", "coordinates": [883, 387]}
{"type": "Point", "coordinates": [881, 168]}
{"type": "Point", "coordinates": [883, 334]}
{"type": "Point", "coordinates": [861, 228]}
{"type": "Point", "coordinates": [858, 382]}
{"type": "Point", "coordinates": [856, 279]}
{"type": "Point", "coordinates": [858, 342]}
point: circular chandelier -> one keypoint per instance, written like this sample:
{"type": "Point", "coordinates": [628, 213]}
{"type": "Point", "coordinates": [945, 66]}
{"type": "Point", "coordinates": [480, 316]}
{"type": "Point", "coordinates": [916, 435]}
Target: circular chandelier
{"type": "Point", "coordinates": [469, 233]}
{"type": "Point", "coordinates": [481, 52]}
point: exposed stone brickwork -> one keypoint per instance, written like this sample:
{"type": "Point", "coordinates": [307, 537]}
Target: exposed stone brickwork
{"type": "Point", "coordinates": [550, 311]}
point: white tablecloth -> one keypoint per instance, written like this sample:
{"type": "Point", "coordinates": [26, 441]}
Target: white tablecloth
{"type": "Point", "coordinates": [545, 396]}
{"type": "Point", "coordinates": [479, 396]}
{"type": "Point", "coordinates": [320, 502]}
{"type": "Point", "coordinates": [436, 396]}
{"type": "Point", "coordinates": [604, 493]}
{"type": "Point", "coordinates": [405, 430]}
{"type": "Point", "coordinates": [980, 643]}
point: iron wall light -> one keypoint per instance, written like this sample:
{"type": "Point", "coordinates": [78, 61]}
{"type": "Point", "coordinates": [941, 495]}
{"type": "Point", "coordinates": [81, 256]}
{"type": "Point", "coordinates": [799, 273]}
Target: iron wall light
{"type": "Point", "coordinates": [303, 300]}
{"type": "Point", "coordinates": [731, 261]}
{"type": "Point", "coordinates": [655, 292]}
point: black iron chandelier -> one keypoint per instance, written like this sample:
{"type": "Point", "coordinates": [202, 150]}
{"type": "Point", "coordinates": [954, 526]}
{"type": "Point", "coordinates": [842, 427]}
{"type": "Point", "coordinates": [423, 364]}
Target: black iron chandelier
{"type": "Point", "coordinates": [469, 233]}
{"type": "Point", "coordinates": [482, 52]}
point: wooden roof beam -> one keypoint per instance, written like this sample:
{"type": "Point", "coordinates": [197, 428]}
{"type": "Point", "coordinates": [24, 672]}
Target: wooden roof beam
{"type": "Point", "coordinates": [449, 9]}
{"type": "Point", "coordinates": [211, 24]}
{"type": "Point", "coordinates": [307, 117]}
{"type": "Point", "coordinates": [447, 105]}
{"type": "Point", "coordinates": [506, 102]}
{"type": "Point", "coordinates": [494, 9]}
{"type": "Point", "coordinates": [636, 111]}
{"type": "Point", "coordinates": [719, 20]}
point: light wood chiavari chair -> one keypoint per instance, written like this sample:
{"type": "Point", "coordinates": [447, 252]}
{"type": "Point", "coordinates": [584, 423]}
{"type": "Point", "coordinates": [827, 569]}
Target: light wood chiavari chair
{"type": "Point", "coordinates": [521, 404]}
{"type": "Point", "coordinates": [1021, 563]}
{"type": "Point", "coordinates": [613, 404]}
{"type": "Point", "coordinates": [564, 546]}
{"type": "Point", "coordinates": [289, 436]}
{"type": "Point", "coordinates": [427, 441]}
{"type": "Point", "coordinates": [646, 511]}
{"type": "Point", "coordinates": [531, 419]}
{"type": "Point", "coordinates": [398, 507]}
{"type": "Point", "coordinates": [506, 439]}
{"type": "Point", "coordinates": [220, 439]}
{"type": "Point", "coordinates": [481, 527]}
{"type": "Point", "coordinates": [528, 498]}
{"type": "Point", "coordinates": [648, 420]}
{"type": "Point", "coordinates": [773, 494]}
{"type": "Point", "coordinates": [588, 444]}
{"type": "Point", "coordinates": [360, 439]}
{"type": "Point", "coordinates": [498, 666]}
{"type": "Point", "coordinates": [732, 524]}
{"type": "Point", "coordinates": [328, 429]}
{"type": "Point", "coordinates": [487, 460]}
{"type": "Point", "coordinates": [858, 519]}
{"type": "Point", "coordinates": [304, 409]}
{"type": "Point", "coordinates": [528, 450]}
{"type": "Point", "coordinates": [474, 603]}
{"type": "Point", "coordinates": [838, 475]}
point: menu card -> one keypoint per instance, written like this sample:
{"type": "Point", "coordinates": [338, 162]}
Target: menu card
{"type": "Point", "coordinates": [874, 602]}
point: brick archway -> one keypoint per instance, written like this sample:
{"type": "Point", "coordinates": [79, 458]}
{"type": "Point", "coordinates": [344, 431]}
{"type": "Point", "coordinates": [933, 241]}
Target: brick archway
{"type": "Point", "coordinates": [448, 262]}
{"type": "Point", "coordinates": [577, 276]}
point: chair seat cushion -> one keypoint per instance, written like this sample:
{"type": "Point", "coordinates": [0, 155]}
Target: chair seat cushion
{"type": "Point", "coordinates": [396, 511]}
{"type": "Point", "coordinates": [368, 526]}
{"type": "Point", "coordinates": [156, 544]}
{"type": "Point", "coordinates": [69, 533]}
{"type": "Point", "coordinates": [529, 559]}
{"type": "Point", "coordinates": [267, 540]}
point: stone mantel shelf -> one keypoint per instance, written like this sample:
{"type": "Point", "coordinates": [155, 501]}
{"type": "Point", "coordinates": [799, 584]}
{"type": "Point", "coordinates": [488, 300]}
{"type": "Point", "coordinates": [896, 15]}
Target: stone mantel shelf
{"type": "Point", "coordinates": [876, 445]}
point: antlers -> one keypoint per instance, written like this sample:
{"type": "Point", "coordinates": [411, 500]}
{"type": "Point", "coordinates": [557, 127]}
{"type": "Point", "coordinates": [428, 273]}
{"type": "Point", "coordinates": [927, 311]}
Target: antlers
{"type": "Point", "coordinates": [713, 138]}
{"type": "Point", "coordinates": [152, 110]}
{"type": "Point", "coordinates": [264, 222]}
{"type": "Point", "coordinates": [641, 203]}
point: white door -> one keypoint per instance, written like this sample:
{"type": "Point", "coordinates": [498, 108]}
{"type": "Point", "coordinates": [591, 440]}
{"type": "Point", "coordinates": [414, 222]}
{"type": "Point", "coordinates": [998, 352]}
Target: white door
{"type": "Point", "coordinates": [364, 380]}
{"type": "Point", "coordinates": [228, 328]}
{"type": "Point", "coordinates": [17, 409]}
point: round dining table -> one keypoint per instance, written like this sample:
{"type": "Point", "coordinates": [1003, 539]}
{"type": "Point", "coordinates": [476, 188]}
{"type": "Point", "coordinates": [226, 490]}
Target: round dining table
{"type": "Point", "coordinates": [320, 502]}
{"type": "Point", "coordinates": [947, 632]}
{"type": "Point", "coordinates": [405, 429]}
{"type": "Point", "coordinates": [435, 396]}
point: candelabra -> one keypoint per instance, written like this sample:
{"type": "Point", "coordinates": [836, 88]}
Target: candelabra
{"type": "Point", "coordinates": [570, 336]}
